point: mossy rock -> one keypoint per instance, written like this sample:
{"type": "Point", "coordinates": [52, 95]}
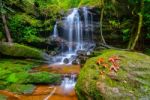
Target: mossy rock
{"type": "Point", "coordinates": [21, 88]}
{"type": "Point", "coordinates": [16, 76]}
{"type": "Point", "coordinates": [2, 97]}
{"type": "Point", "coordinates": [130, 82]}
{"type": "Point", "coordinates": [43, 78]}
{"type": "Point", "coordinates": [18, 50]}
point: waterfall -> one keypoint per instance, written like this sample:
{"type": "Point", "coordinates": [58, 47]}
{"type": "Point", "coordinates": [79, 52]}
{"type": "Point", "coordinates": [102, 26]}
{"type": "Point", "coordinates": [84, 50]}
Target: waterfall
{"type": "Point", "coordinates": [73, 26]}
{"type": "Point", "coordinates": [77, 34]}
{"type": "Point", "coordinates": [68, 82]}
{"type": "Point", "coordinates": [55, 32]}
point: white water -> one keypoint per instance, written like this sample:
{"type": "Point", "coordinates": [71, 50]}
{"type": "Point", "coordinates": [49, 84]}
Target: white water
{"type": "Point", "coordinates": [68, 83]}
{"type": "Point", "coordinates": [55, 32]}
{"type": "Point", "coordinates": [75, 35]}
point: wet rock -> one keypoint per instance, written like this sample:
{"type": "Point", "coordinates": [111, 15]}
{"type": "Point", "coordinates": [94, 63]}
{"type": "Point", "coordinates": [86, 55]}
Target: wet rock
{"type": "Point", "coordinates": [82, 52]}
{"type": "Point", "coordinates": [76, 62]}
{"type": "Point", "coordinates": [82, 58]}
{"type": "Point", "coordinates": [66, 60]}
{"type": "Point", "coordinates": [88, 53]}
{"type": "Point", "coordinates": [73, 57]}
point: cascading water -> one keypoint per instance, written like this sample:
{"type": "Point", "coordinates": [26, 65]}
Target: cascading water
{"type": "Point", "coordinates": [75, 36]}
{"type": "Point", "coordinates": [55, 32]}
{"type": "Point", "coordinates": [68, 83]}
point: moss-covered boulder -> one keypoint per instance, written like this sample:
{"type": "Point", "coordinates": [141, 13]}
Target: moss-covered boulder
{"type": "Point", "coordinates": [21, 88]}
{"type": "Point", "coordinates": [2, 97]}
{"type": "Point", "coordinates": [130, 82]}
{"type": "Point", "coordinates": [18, 50]}
{"type": "Point", "coordinates": [43, 78]}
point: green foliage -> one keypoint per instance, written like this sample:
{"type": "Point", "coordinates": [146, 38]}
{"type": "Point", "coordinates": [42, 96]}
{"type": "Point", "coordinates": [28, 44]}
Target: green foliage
{"type": "Point", "coordinates": [23, 28]}
{"type": "Point", "coordinates": [147, 24]}
{"type": "Point", "coordinates": [147, 18]}
{"type": "Point", "coordinates": [147, 51]}
{"type": "Point", "coordinates": [67, 4]}
{"type": "Point", "coordinates": [1, 35]}
{"type": "Point", "coordinates": [114, 23]}
{"type": "Point", "coordinates": [126, 34]}
{"type": "Point", "coordinates": [34, 17]}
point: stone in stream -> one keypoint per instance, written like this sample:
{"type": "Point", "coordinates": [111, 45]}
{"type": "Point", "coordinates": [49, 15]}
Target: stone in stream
{"type": "Point", "coordinates": [76, 62]}
{"type": "Point", "coordinates": [66, 60]}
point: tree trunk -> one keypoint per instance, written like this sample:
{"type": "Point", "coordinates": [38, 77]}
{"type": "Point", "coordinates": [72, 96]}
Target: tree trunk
{"type": "Point", "coordinates": [138, 32]}
{"type": "Point", "coordinates": [8, 36]}
{"type": "Point", "coordinates": [101, 20]}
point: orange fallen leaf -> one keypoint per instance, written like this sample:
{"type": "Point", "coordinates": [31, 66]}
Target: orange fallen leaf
{"type": "Point", "coordinates": [114, 68]}
{"type": "Point", "coordinates": [113, 59]}
{"type": "Point", "coordinates": [105, 65]}
{"type": "Point", "coordinates": [100, 61]}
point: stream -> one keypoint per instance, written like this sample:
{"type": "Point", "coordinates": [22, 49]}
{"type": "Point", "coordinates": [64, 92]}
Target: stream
{"type": "Point", "coordinates": [64, 91]}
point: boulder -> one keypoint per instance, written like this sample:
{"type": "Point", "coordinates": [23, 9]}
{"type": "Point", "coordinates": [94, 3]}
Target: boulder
{"type": "Point", "coordinates": [19, 50]}
{"type": "Point", "coordinates": [131, 81]}
{"type": "Point", "coordinates": [81, 52]}
{"type": "Point", "coordinates": [3, 97]}
{"type": "Point", "coordinates": [66, 60]}
{"type": "Point", "coordinates": [76, 62]}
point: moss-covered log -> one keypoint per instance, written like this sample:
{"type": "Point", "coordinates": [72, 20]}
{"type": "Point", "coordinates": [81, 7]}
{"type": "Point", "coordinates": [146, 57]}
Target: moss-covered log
{"type": "Point", "coordinates": [18, 50]}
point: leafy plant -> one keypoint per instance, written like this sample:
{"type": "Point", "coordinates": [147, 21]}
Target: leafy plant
{"type": "Point", "coordinates": [126, 34]}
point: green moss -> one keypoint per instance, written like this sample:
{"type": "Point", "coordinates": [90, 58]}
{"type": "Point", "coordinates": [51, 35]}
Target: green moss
{"type": "Point", "coordinates": [131, 81]}
{"type": "Point", "coordinates": [2, 97]}
{"type": "Point", "coordinates": [16, 76]}
{"type": "Point", "coordinates": [43, 78]}
{"type": "Point", "coordinates": [21, 88]}
{"type": "Point", "coordinates": [17, 50]}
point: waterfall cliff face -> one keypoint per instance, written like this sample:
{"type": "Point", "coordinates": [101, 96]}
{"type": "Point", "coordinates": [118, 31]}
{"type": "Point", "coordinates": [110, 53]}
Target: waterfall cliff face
{"type": "Point", "coordinates": [75, 35]}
